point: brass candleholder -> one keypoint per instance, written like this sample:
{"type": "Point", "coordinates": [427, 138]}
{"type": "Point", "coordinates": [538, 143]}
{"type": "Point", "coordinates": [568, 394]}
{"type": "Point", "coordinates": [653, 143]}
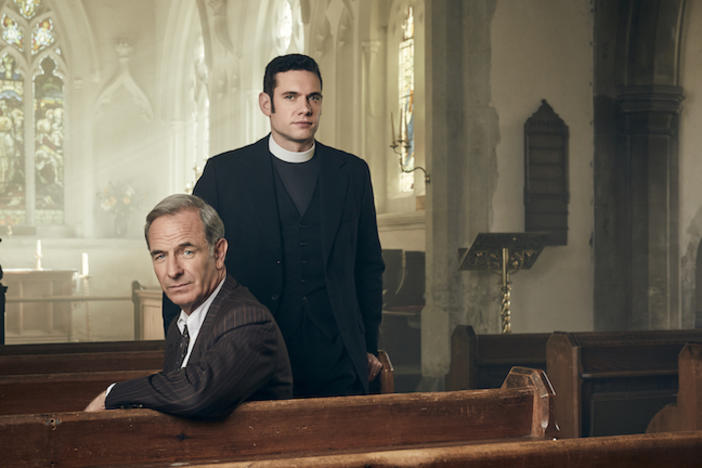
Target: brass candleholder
{"type": "Point", "coordinates": [403, 143]}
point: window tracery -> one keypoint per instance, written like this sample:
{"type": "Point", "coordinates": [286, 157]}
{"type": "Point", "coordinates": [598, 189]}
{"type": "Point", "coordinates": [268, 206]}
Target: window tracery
{"type": "Point", "coordinates": [32, 99]}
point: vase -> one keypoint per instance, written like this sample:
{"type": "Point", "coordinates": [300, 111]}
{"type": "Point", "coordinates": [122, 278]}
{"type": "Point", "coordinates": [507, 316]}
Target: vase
{"type": "Point", "coordinates": [120, 226]}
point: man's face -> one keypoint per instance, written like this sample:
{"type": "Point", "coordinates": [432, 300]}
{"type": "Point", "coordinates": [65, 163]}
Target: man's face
{"type": "Point", "coordinates": [182, 262]}
{"type": "Point", "coordinates": [298, 106]}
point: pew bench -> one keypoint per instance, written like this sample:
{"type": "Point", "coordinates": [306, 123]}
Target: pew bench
{"type": "Point", "coordinates": [483, 361]}
{"type": "Point", "coordinates": [680, 450]}
{"type": "Point", "coordinates": [686, 413]}
{"type": "Point", "coordinates": [520, 410]}
{"type": "Point", "coordinates": [53, 391]}
{"type": "Point", "coordinates": [612, 383]}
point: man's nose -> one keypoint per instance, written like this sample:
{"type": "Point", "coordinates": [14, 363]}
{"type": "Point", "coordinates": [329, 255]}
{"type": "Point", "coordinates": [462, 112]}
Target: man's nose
{"type": "Point", "coordinates": [307, 107]}
{"type": "Point", "coordinates": [173, 267]}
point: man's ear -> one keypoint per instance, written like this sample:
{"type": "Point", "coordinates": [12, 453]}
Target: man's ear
{"type": "Point", "coordinates": [264, 102]}
{"type": "Point", "coordinates": [220, 252]}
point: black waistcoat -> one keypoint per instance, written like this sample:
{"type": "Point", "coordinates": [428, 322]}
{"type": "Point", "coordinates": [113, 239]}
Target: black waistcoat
{"type": "Point", "coordinates": [304, 291]}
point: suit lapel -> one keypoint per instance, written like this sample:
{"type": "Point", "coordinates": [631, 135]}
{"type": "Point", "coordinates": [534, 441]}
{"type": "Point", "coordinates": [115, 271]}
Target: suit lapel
{"type": "Point", "coordinates": [206, 328]}
{"type": "Point", "coordinates": [333, 188]}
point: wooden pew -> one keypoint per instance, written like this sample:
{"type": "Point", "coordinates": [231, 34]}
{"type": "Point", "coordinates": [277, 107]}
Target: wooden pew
{"type": "Point", "coordinates": [686, 413]}
{"type": "Point", "coordinates": [57, 392]}
{"type": "Point", "coordinates": [680, 450]}
{"type": "Point", "coordinates": [520, 410]}
{"type": "Point", "coordinates": [71, 390]}
{"type": "Point", "coordinates": [81, 357]}
{"type": "Point", "coordinates": [403, 301]}
{"type": "Point", "coordinates": [610, 383]}
{"type": "Point", "coordinates": [483, 361]}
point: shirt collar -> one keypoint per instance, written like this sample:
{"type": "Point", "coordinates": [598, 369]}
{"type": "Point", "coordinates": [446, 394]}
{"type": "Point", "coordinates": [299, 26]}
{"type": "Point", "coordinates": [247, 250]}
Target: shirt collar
{"type": "Point", "coordinates": [289, 156]}
{"type": "Point", "coordinates": [197, 316]}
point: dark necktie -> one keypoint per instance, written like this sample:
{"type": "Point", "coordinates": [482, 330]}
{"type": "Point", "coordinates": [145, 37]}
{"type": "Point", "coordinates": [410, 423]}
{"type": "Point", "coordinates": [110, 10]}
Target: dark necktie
{"type": "Point", "coordinates": [183, 347]}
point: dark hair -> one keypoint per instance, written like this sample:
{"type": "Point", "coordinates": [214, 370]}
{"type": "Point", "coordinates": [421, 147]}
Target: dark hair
{"type": "Point", "coordinates": [284, 63]}
{"type": "Point", "coordinates": [173, 204]}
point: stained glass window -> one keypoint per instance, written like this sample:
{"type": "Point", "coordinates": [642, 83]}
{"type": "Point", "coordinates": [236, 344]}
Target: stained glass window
{"type": "Point", "coordinates": [28, 8]}
{"type": "Point", "coordinates": [31, 77]}
{"type": "Point", "coordinates": [405, 73]}
{"type": "Point", "coordinates": [12, 160]}
{"type": "Point", "coordinates": [48, 136]}
{"type": "Point", "coordinates": [12, 33]}
{"type": "Point", "coordinates": [42, 35]}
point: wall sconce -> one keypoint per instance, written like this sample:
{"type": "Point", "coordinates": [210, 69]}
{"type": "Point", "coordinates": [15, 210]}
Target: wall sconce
{"type": "Point", "coordinates": [403, 143]}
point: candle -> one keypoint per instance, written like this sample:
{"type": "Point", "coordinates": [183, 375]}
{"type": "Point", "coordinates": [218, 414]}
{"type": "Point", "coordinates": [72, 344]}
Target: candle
{"type": "Point", "coordinates": [392, 129]}
{"type": "Point", "coordinates": [84, 267]}
{"type": "Point", "coordinates": [402, 124]}
{"type": "Point", "coordinates": [39, 248]}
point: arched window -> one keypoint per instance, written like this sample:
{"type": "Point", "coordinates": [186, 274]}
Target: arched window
{"type": "Point", "coordinates": [405, 73]}
{"type": "Point", "coordinates": [31, 116]}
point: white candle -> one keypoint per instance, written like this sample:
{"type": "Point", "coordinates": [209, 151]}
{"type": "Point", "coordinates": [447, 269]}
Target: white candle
{"type": "Point", "coordinates": [39, 248]}
{"type": "Point", "coordinates": [84, 267]}
{"type": "Point", "coordinates": [392, 129]}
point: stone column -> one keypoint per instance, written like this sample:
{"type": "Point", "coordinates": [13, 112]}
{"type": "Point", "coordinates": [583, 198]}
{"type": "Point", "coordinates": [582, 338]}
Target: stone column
{"type": "Point", "coordinates": [649, 118]}
{"type": "Point", "coordinates": [461, 131]}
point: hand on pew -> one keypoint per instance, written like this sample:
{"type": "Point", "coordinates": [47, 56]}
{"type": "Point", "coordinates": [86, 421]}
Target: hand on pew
{"type": "Point", "coordinates": [98, 403]}
{"type": "Point", "coordinates": [374, 366]}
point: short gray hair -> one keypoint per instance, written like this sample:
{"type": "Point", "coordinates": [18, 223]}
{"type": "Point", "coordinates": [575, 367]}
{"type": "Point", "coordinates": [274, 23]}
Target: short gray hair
{"type": "Point", "coordinates": [173, 204]}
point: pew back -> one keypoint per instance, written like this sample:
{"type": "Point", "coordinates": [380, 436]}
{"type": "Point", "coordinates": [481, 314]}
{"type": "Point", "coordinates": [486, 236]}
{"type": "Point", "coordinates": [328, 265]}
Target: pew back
{"type": "Point", "coordinates": [483, 361]}
{"type": "Point", "coordinates": [520, 410]}
{"type": "Point", "coordinates": [681, 450]}
{"type": "Point", "coordinates": [686, 413]}
{"type": "Point", "coordinates": [613, 382]}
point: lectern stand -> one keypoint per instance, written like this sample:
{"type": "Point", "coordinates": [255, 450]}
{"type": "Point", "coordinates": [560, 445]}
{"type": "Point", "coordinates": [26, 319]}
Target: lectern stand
{"type": "Point", "coordinates": [505, 252]}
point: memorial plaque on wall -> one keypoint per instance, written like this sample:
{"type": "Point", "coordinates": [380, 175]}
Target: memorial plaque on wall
{"type": "Point", "coordinates": [546, 193]}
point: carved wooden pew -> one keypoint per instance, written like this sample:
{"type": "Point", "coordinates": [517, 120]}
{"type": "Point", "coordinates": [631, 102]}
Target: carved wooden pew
{"type": "Point", "coordinates": [681, 450]}
{"type": "Point", "coordinates": [520, 410]}
{"type": "Point", "coordinates": [483, 361]}
{"type": "Point", "coordinates": [686, 413]}
{"type": "Point", "coordinates": [610, 383]}
{"type": "Point", "coordinates": [25, 393]}
{"type": "Point", "coordinates": [80, 357]}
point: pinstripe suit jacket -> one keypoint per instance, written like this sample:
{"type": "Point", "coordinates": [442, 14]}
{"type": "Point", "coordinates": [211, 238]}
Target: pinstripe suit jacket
{"type": "Point", "coordinates": [239, 355]}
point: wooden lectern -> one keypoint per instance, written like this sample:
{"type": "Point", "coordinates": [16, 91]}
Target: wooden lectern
{"type": "Point", "coordinates": [506, 252]}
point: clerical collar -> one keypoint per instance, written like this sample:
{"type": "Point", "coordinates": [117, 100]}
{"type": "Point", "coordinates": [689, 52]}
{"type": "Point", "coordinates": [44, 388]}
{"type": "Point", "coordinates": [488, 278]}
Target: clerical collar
{"type": "Point", "coordinates": [289, 156]}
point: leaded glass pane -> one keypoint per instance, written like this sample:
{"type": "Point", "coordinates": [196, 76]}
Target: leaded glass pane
{"type": "Point", "coordinates": [12, 160]}
{"type": "Point", "coordinates": [42, 35]}
{"type": "Point", "coordinates": [28, 8]}
{"type": "Point", "coordinates": [405, 71]}
{"type": "Point", "coordinates": [12, 33]}
{"type": "Point", "coordinates": [48, 158]}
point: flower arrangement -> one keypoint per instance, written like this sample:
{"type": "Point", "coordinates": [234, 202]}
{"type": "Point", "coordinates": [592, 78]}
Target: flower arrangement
{"type": "Point", "coordinates": [117, 199]}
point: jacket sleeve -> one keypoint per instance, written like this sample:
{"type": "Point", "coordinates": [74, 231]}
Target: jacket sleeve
{"type": "Point", "coordinates": [369, 265]}
{"type": "Point", "coordinates": [241, 360]}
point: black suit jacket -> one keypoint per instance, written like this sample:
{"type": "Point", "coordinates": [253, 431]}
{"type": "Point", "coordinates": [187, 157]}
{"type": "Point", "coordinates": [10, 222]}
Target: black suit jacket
{"type": "Point", "coordinates": [239, 355]}
{"type": "Point", "coordinates": [240, 186]}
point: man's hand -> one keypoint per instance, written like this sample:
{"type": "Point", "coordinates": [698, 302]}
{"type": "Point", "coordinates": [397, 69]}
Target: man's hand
{"type": "Point", "coordinates": [374, 366]}
{"type": "Point", "coordinates": [98, 404]}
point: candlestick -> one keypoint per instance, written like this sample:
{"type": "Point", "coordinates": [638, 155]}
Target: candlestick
{"type": "Point", "coordinates": [84, 266]}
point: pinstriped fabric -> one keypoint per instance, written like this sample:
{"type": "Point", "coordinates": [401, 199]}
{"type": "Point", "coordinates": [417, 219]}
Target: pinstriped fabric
{"type": "Point", "coordinates": [238, 355]}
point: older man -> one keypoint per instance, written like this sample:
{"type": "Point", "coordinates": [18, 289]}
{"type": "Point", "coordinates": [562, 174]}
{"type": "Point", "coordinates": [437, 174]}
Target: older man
{"type": "Point", "coordinates": [224, 347]}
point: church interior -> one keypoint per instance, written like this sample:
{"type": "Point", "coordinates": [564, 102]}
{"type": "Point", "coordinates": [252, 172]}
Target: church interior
{"type": "Point", "coordinates": [575, 118]}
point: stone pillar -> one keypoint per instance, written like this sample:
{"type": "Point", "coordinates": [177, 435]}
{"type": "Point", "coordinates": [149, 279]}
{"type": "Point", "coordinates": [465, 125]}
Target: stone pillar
{"type": "Point", "coordinates": [461, 131]}
{"type": "Point", "coordinates": [649, 119]}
